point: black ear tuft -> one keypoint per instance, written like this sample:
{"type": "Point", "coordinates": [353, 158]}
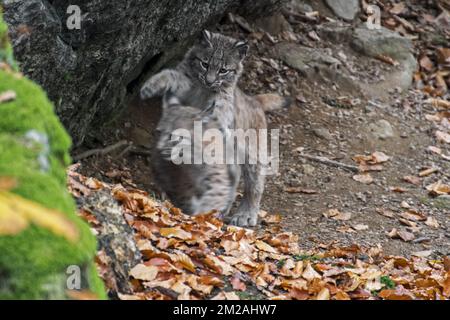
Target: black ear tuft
{"type": "Point", "coordinates": [242, 47]}
{"type": "Point", "coordinates": [206, 37]}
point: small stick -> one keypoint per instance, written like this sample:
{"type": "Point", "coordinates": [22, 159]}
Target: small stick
{"type": "Point", "coordinates": [100, 151]}
{"type": "Point", "coordinates": [331, 162]}
{"type": "Point", "coordinates": [140, 151]}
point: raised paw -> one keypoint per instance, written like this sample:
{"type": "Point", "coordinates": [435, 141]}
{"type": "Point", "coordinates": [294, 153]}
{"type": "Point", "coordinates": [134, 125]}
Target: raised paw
{"type": "Point", "coordinates": [244, 219]}
{"type": "Point", "coordinates": [149, 90]}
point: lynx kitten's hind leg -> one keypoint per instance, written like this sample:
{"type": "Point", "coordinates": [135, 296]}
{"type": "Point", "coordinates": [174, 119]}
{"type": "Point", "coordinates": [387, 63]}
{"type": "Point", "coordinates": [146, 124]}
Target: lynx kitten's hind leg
{"type": "Point", "coordinates": [247, 212]}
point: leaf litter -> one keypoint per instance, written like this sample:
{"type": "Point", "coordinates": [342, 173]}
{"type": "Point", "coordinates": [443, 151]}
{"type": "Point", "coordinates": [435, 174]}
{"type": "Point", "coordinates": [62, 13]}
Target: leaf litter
{"type": "Point", "coordinates": [200, 257]}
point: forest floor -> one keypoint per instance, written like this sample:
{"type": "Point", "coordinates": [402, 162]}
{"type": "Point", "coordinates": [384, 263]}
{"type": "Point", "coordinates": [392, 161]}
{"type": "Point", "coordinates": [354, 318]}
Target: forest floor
{"type": "Point", "coordinates": [352, 104]}
{"type": "Point", "coordinates": [334, 118]}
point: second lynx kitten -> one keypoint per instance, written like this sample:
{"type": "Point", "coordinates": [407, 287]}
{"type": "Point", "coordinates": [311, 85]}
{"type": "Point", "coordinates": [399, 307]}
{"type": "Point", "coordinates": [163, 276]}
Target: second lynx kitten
{"type": "Point", "coordinates": [209, 72]}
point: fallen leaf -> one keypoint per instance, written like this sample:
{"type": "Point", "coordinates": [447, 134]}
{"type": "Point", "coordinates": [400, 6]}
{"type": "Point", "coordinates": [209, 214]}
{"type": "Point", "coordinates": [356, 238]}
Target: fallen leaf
{"type": "Point", "coordinates": [143, 272]}
{"type": "Point", "coordinates": [324, 294]}
{"type": "Point", "coordinates": [443, 136]}
{"type": "Point", "coordinates": [337, 215]}
{"type": "Point", "coordinates": [397, 8]}
{"type": "Point", "coordinates": [413, 215]}
{"type": "Point", "coordinates": [363, 178]}
{"type": "Point", "coordinates": [427, 172]}
{"type": "Point", "coordinates": [360, 227]}
{"type": "Point", "coordinates": [426, 63]}
{"type": "Point", "coordinates": [16, 213]}
{"type": "Point", "coordinates": [402, 234]}
{"type": "Point", "coordinates": [237, 284]}
{"type": "Point", "coordinates": [386, 212]}
{"type": "Point", "coordinates": [300, 190]}
{"type": "Point", "coordinates": [7, 96]}
{"type": "Point", "coordinates": [175, 232]}
{"type": "Point", "coordinates": [400, 293]}
{"type": "Point", "coordinates": [412, 179]}
{"type": "Point", "coordinates": [7, 183]}
{"type": "Point", "coordinates": [265, 247]}
{"type": "Point", "coordinates": [432, 222]}
{"type": "Point", "coordinates": [309, 273]}
{"type": "Point", "coordinates": [438, 188]}
{"type": "Point", "coordinates": [398, 189]}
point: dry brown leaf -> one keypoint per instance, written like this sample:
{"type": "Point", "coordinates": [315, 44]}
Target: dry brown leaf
{"type": "Point", "coordinates": [144, 272]}
{"type": "Point", "coordinates": [397, 8]}
{"type": "Point", "coordinates": [438, 188]}
{"type": "Point", "coordinates": [400, 293]}
{"type": "Point", "coordinates": [7, 96]}
{"type": "Point", "coordinates": [386, 212]}
{"type": "Point", "coordinates": [324, 294]}
{"type": "Point", "coordinates": [426, 63]}
{"type": "Point", "coordinates": [432, 222]}
{"type": "Point", "coordinates": [265, 247]}
{"type": "Point", "coordinates": [175, 232]}
{"type": "Point", "coordinates": [16, 213]}
{"type": "Point", "coordinates": [360, 227]}
{"type": "Point", "coordinates": [365, 178]}
{"type": "Point", "coordinates": [402, 234]}
{"type": "Point", "coordinates": [309, 273]}
{"type": "Point", "coordinates": [413, 215]}
{"type": "Point", "coordinates": [7, 183]}
{"type": "Point", "coordinates": [337, 215]}
{"type": "Point", "coordinates": [443, 136]}
{"type": "Point", "coordinates": [300, 190]}
{"type": "Point", "coordinates": [427, 172]}
{"type": "Point", "coordinates": [237, 284]}
{"type": "Point", "coordinates": [443, 56]}
{"type": "Point", "coordinates": [439, 103]}
{"type": "Point", "coordinates": [412, 179]}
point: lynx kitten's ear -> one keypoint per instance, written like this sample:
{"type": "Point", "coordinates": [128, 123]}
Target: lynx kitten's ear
{"type": "Point", "coordinates": [206, 37]}
{"type": "Point", "coordinates": [242, 47]}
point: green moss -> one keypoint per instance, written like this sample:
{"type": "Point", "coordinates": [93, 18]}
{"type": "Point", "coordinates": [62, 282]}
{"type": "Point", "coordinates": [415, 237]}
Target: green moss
{"type": "Point", "coordinates": [33, 263]}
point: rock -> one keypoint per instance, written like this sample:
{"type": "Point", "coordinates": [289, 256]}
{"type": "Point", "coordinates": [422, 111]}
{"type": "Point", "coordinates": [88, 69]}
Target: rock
{"type": "Point", "coordinates": [116, 239]}
{"type": "Point", "coordinates": [388, 43]}
{"type": "Point", "coordinates": [373, 42]}
{"type": "Point", "coordinates": [344, 9]}
{"type": "Point", "coordinates": [89, 73]}
{"type": "Point", "coordinates": [381, 129]}
{"type": "Point", "coordinates": [317, 64]}
{"type": "Point", "coordinates": [274, 24]}
{"type": "Point", "coordinates": [303, 58]}
{"type": "Point", "coordinates": [323, 133]}
{"type": "Point", "coordinates": [39, 257]}
{"type": "Point", "coordinates": [300, 6]}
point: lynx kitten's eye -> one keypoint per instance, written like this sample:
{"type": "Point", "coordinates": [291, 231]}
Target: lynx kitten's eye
{"type": "Point", "coordinates": [204, 64]}
{"type": "Point", "coordinates": [223, 71]}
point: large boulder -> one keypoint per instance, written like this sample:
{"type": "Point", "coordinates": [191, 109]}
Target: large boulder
{"type": "Point", "coordinates": [42, 240]}
{"type": "Point", "coordinates": [88, 73]}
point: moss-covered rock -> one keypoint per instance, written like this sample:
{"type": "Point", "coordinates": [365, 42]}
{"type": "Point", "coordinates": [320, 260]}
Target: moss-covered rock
{"type": "Point", "coordinates": [34, 151]}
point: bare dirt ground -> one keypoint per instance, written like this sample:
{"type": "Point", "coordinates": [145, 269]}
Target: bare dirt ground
{"type": "Point", "coordinates": [329, 120]}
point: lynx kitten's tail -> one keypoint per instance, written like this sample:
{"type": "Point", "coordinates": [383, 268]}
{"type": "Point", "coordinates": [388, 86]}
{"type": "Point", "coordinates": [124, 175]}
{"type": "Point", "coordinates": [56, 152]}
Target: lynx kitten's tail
{"type": "Point", "coordinates": [272, 102]}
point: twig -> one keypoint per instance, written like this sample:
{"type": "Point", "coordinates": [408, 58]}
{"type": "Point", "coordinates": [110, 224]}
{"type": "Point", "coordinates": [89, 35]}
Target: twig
{"type": "Point", "coordinates": [101, 151]}
{"type": "Point", "coordinates": [331, 162]}
{"type": "Point", "coordinates": [140, 151]}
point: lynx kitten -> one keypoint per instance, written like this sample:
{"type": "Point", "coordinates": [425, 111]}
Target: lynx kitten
{"type": "Point", "coordinates": [209, 72]}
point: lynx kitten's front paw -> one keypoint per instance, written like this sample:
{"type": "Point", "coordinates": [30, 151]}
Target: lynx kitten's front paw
{"type": "Point", "coordinates": [244, 219]}
{"type": "Point", "coordinates": [150, 90]}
